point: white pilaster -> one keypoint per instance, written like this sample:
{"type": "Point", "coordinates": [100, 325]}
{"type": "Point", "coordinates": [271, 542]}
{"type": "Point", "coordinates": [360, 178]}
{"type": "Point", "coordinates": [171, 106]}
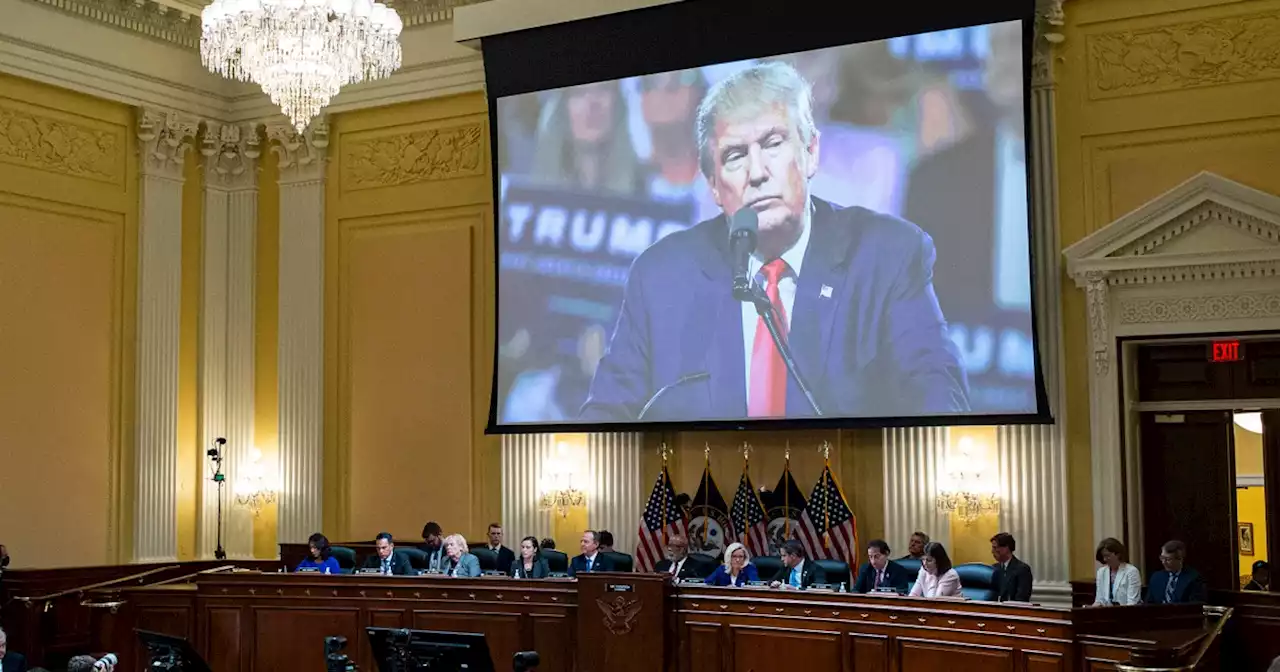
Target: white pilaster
{"type": "Point", "coordinates": [523, 457]}
{"type": "Point", "coordinates": [164, 138]}
{"type": "Point", "coordinates": [914, 459]}
{"type": "Point", "coordinates": [616, 498]}
{"type": "Point", "coordinates": [301, 347]}
{"type": "Point", "coordinates": [228, 326]}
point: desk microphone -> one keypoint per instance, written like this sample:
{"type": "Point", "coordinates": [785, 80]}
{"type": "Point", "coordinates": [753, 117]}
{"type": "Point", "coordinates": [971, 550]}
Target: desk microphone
{"type": "Point", "coordinates": [743, 227]}
{"type": "Point", "coordinates": [689, 378]}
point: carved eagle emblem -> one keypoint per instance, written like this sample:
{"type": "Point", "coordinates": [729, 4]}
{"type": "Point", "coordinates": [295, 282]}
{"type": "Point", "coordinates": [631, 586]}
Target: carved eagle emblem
{"type": "Point", "coordinates": [619, 613]}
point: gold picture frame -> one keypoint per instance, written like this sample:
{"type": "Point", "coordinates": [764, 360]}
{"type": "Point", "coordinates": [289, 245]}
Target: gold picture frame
{"type": "Point", "coordinates": [1244, 535]}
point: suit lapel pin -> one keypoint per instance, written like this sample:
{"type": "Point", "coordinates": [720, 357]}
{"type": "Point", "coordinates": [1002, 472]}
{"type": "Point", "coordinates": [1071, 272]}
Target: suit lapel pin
{"type": "Point", "coordinates": [825, 292]}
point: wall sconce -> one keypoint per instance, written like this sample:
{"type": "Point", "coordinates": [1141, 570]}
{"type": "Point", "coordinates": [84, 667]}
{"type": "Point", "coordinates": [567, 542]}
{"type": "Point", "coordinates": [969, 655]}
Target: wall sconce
{"type": "Point", "coordinates": [964, 492]}
{"type": "Point", "coordinates": [253, 489]}
{"type": "Point", "coordinates": [558, 491]}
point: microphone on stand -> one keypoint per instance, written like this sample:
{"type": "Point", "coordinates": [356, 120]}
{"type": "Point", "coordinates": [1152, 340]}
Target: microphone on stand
{"type": "Point", "coordinates": [683, 380]}
{"type": "Point", "coordinates": [743, 227]}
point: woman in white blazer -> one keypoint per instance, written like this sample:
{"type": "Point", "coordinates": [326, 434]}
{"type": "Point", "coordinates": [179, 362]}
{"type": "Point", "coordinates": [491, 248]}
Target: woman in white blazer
{"type": "Point", "coordinates": [1119, 583]}
{"type": "Point", "coordinates": [936, 577]}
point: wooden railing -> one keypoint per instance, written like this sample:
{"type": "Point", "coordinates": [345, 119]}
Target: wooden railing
{"type": "Point", "coordinates": [1212, 637]}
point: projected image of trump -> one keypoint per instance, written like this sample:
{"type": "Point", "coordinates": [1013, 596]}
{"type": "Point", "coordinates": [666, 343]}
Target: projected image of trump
{"type": "Point", "coordinates": [852, 289]}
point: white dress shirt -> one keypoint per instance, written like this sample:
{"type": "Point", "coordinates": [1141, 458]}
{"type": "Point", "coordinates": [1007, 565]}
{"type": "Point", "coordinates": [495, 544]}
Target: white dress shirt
{"type": "Point", "coordinates": [675, 566]}
{"type": "Point", "coordinates": [931, 585]}
{"type": "Point", "coordinates": [786, 292]}
{"type": "Point", "coordinates": [1126, 590]}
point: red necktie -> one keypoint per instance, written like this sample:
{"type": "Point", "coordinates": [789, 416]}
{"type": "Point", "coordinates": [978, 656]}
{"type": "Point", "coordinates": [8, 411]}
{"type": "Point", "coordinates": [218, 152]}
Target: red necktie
{"type": "Point", "coordinates": [768, 396]}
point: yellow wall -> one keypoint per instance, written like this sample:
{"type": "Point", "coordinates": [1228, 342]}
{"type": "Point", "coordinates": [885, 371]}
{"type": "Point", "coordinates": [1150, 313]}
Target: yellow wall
{"type": "Point", "coordinates": [68, 273]}
{"type": "Point", "coordinates": [1133, 126]}
{"type": "Point", "coordinates": [409, 307]}
{"type": "Point", "coordinates": [1251, 507]}
{"type": "Point", "coordinates": [190, 456]}
{"type": "Point", "coordinates": [971, 540]}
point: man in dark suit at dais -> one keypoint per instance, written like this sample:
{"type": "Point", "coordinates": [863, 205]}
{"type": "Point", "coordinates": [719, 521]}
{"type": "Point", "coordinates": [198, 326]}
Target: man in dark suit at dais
{"type": "Point", "coordinates": [852, 288]}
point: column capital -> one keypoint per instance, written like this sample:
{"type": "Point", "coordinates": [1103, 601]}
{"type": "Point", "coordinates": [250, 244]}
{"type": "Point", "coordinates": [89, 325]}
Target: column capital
{"type": "Point", "coordinates": [231, 153]}
{"type": "Point", "coordinates": [163, 140]}
{"type": "Point", "coordinates": [1049, 22]}
{"type": "Point", "coordinates": [302, 155]}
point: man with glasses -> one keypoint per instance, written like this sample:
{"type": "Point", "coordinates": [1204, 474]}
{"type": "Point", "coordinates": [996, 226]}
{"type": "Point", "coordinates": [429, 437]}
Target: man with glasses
{"type": "Point", "coordinates": [1176, 583]}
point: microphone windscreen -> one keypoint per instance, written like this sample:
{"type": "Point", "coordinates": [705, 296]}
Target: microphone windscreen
{"type": "Point", "coordinates": [744, 220]}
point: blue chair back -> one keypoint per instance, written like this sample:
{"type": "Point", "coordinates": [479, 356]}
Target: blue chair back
{"type": "Point", "coordinates": [488, 559]}
{"type": "Point", "coordinates": [702, 564]}
{"type": "Point", "coordinates": [977, 581]}
{"type": "Point", "coordinates": [767, 566]}
{"type": "Point", "coordinates": [557, 561]}
{"type": "Point", "coordinates": [912, 565]}
{"type": "Point", "coordinates": [621, 561]}
{"type": "Point", "coordinates": [346, 557]}
{"type": "Point", "coordinates": [417, 557]}
{"type": "Point", "coordinates": [837, 572]}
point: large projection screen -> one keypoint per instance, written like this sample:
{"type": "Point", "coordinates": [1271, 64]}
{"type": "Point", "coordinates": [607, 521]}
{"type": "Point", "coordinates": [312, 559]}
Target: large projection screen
{"type": "Point", "coordinates": [791, 228]}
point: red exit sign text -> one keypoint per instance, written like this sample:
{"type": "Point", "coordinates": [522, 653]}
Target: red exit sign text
{"type": "Point", "coordinates": [1226, 351]}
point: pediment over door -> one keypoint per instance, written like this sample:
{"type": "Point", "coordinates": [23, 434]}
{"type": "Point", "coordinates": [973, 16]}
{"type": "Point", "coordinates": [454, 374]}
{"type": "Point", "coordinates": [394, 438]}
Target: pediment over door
{"type": "Point", "coordinates": [1207, 228]}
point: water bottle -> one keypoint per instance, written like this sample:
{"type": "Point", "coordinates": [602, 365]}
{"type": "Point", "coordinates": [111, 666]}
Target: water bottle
{"type": "Point", "coordinates": [842, 588]}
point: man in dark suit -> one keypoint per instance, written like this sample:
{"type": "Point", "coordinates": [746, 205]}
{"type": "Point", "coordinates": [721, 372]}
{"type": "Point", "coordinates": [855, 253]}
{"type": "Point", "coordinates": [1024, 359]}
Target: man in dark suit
{"type": "Point", "coordinates": [505, 555]}
{"type": "Point", "coordinates": [881, 572]}
{"type": "Point", "coordinates": [853, 289]}
{"type": "Point", "coordinates": [797, 573]}
{"type": "Point", "coordinates": [590, 560]}
{"type": "Point", "coordinates": [1012, 577]}
{"type": "Point", "coordinates": [386, 560]}
{"type": "Point", "coordinates": [1176, 583]}
{"type": "Point", "coordinates": [10, 661]}
{"type": "Point", "coordinates": [677, 564]}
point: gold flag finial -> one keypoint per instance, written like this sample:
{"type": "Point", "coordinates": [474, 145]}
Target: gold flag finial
{"type": "Point", "coordinates": [825, 449]}
{"type": "Point", "coordinates": [786, 452]}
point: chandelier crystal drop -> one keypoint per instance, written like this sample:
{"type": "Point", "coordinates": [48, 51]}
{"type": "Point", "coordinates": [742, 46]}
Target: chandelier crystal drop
{"type": "Point", "coordinates": [301, 52]}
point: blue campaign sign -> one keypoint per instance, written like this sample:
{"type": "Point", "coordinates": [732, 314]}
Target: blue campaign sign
{"type": "Point", "coordinates": [563, 259]}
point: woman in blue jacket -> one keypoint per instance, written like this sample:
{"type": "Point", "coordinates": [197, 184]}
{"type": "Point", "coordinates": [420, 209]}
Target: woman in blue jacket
{"type": "Point", "coordinates": [321, 558]}
{"type": "Point", "coordinates": [736, 571]}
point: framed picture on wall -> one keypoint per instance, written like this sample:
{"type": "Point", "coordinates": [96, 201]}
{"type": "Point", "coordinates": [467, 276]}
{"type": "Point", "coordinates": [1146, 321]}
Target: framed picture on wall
{"type": "Point", "coordinates": [1246, 538]}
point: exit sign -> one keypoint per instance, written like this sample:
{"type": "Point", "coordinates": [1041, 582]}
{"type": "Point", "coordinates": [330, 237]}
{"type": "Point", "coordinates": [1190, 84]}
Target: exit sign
{"type": "Point", "coordinates": [1226, 351]}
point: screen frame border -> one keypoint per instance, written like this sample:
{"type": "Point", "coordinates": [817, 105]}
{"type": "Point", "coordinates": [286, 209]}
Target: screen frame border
{"type": "Point", "coordinates": [510, 71]}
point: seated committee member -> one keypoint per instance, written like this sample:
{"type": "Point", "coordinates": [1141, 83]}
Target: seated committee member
{"type": "Point", "coordinates": [1176, 583]}
{"type": "Point", "coordinates": [1012, 577]}
{"type": "Point", "coordinates": [1261, 578]}
{"type": "Point", "coordinates": [459, 562]}
{"type": "Point", "coordinates": [796, 573]}
{"type": "Point", "coordinates": [737, 569]}
{"type": "Point", "coordinates": [505, 555]}
{"type": "Point", "coordinates": [915, 547]}
{"type": "Point", "coordinates": [936, 577]}
{"type": "Point", "coordinates": [590, 560]}
{"type": "Point", "coordinates": [386, 561]}
{"type": "Point", "coordinates": [1119, 583]}
{"type": "Point", "coordinates": [853, 288]}
{"type": "Point", "coordinates": [676, 564]}
{"type": "Point", "coordinates": [321, 557]}
{"type": "Point", "coordinates": [530, 564]}
{"type": "Point", "coordinates": [10, 661]}
{"type": "Point", "coordinates": [881, 572]}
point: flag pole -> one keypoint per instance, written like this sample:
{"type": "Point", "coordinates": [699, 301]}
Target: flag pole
{"type": "Point", "coordinates": [826, 506]}
{"type": "Point", "coordinates": [663, 449]}
{"type": "Point", "coordinates": [746, 462]}
{"type": "Point", "coordinates": [786, 493]}
{"type": "Point", "coordinates": [706, 501]}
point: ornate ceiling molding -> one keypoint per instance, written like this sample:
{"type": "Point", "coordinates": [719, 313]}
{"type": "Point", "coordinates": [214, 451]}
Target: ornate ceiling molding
{"type": "Point", "coordinates": [178, 21]}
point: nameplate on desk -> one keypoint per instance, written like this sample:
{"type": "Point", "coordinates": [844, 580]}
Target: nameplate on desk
{"type": "Point", "coordinates": [558, 575]}
{"type": "Point", "coordinates": [493, 572]}
{"type": "Point", "coordinates": [885, 591]}
{"type": "Point", "coordinates": [758, 584]}
{"type": "Point", "coordinates": [619, 588]}
{"type": "Point", "coordinates": [312, 570]}
{"type": "Point", "coordinates": [691, 582]}
{"type": "Point", "coordinates": [367, 570]}
{"type": "Point", "coordinates": [822, 588]}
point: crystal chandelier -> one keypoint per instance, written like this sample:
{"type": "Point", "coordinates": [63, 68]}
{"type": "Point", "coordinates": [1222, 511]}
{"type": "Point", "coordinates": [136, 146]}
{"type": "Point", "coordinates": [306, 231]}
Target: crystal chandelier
{"type": "Point", "coordinates": [301, 51]}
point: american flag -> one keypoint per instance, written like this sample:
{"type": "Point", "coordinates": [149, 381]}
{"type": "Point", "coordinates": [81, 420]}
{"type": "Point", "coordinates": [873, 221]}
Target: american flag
{"type": "Point", "coordinates": [827, 526]}
{"type": "Point", "coordinates": [661, 520]}
{"type": "Point", "coordinates": [750, 521]}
